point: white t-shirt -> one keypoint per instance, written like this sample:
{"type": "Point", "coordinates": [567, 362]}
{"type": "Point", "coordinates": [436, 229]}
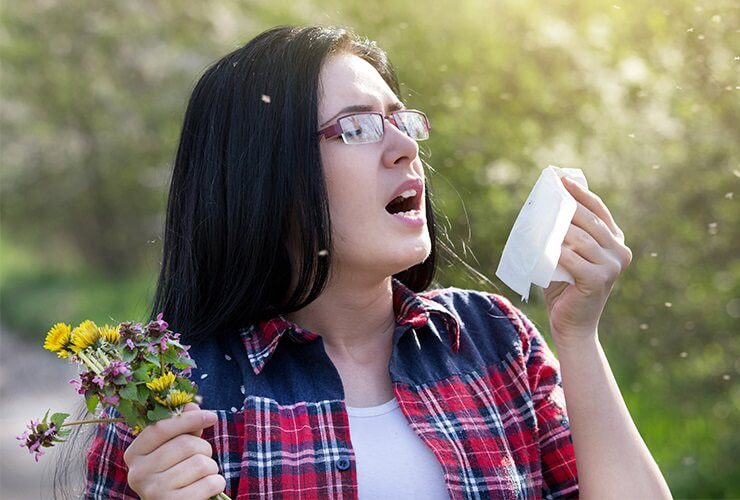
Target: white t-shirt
{"type": "Point", "coordinates": [392, 461]}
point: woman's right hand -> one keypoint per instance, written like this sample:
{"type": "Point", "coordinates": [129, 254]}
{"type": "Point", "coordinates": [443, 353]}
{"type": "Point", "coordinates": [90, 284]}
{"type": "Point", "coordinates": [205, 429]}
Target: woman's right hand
{"type": "Point", "coordinates": [169, 459]}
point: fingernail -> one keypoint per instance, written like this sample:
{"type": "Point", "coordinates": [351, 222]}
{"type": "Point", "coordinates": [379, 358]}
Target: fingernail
{"type": "Point", "coordinates": [210, 418]}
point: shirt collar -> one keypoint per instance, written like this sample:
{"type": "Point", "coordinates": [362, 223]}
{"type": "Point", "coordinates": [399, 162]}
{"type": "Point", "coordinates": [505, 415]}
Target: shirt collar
{"type": "Point", "coordinates": [261, 339]}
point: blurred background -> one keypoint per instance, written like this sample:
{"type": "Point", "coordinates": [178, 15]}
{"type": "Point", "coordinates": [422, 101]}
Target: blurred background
{"type": "Point", "coordinates": [642, 96]}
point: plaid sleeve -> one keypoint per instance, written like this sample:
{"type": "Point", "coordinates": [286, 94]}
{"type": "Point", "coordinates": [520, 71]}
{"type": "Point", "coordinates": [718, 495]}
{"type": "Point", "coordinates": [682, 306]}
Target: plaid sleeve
{"type": "Point", "coordinates": [557, 454]}
{"type": "Point", "coordinates": [107, 473]}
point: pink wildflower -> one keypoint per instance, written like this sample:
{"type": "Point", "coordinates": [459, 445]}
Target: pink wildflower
{"type": "Point", "coordinates": [40, 435]}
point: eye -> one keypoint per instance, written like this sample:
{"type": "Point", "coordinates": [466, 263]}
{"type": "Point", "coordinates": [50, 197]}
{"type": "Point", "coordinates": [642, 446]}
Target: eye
{"type": "Point", "coordinates": [352, 126]}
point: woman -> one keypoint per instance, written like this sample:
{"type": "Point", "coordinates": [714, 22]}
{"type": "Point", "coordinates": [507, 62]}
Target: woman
{"type": "Point", "coordinates": [299, 244]}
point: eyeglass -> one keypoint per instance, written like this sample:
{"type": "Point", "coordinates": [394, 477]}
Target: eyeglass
{"type": "Point", "coordinates": [367, 127]}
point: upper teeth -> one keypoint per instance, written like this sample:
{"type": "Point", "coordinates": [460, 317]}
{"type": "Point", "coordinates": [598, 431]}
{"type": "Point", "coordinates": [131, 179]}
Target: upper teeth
{"type": "Point", "coordinates": [408, 193]}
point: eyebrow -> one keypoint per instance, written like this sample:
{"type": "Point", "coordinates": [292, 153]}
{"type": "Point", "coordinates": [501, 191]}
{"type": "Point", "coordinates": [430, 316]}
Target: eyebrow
{"type": "Point", "coordinates": [362, 107]}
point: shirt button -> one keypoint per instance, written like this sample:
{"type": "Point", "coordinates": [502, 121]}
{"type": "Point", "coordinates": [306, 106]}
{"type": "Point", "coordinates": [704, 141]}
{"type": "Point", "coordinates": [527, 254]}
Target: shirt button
{"type": "Point", "coordinates": [343, 463]}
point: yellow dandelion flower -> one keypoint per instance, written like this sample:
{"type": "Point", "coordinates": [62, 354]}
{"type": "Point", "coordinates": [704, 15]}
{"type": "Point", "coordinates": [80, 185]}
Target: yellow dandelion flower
{"type": "Point", "coordinates": [177, 398]}
{"type": "Point", "coordinates": [58, 339]}
{"type": "Point", "coordinates": [110, 333]}
{"type": "Point", "coordinates": [85, 335]}
{"type": "Point", "coordinates": [160, 400]}
{"type": "Point", "coordinates": [135, 430]}
{"type": "Point", "coordinates": [161, 384]}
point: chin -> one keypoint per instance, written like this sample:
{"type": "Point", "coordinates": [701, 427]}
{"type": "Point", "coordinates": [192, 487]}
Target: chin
{"type": "Point", "coordinates": [419, 254]}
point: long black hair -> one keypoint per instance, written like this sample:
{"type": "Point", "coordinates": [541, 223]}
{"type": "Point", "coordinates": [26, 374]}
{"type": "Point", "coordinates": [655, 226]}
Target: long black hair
{"type": "Point", "coordinates": [247, 170]}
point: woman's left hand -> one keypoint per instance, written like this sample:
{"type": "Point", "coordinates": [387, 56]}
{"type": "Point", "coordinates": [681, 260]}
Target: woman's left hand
{"type": "Point", "coordinates": [595, 255]}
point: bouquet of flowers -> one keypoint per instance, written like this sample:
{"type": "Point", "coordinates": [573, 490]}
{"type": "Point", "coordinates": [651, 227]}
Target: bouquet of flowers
{"type": "Point", "coordinates": [142, 372]}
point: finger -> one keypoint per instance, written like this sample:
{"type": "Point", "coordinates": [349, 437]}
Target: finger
{"type": "Point", "coordinates": [615, 249]}
{"type": "Point", "coordinates": [190, 407]}
{"type": "Point", "coordinates": [207, 487]}
{"type": "Point", "coordinates": [594, 204]}
{"type": "Point", "coordinates": [595, 226]}
{"type": "Point", "coordinates": [153, 436]}
{"type": "Point", "coordinates": [188, 471]}
{"type": "Point", "coordinates": [585, 245]}
{"type": "Point", "coordinates": [175, 451]}
{"type": "Point", "coordinates": [193, 407]}
{"type": "Point", "coordinates": [587, 276]}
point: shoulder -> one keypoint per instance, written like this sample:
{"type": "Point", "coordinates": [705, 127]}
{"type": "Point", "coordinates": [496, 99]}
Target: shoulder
{"type": "Point", "coordinates": [220, 371]}
{"type": "Point", "coordinates": [485, 316]}
{"type": "Point", "coordinates": [464, 299]}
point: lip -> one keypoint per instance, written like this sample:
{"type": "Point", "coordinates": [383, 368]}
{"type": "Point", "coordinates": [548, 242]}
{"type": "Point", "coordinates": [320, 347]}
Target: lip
{"type": "Point", "coordinates": [415, 183]}
{"type": "Point", "coordinates": [415, 221]}
{"type": "Point", "coordinates": [419, 219]}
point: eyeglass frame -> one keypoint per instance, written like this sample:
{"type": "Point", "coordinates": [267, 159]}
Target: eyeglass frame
{"type": "Point", "coordinates": [335, 129]}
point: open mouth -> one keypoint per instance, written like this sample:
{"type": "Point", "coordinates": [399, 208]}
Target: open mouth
{"type": "Point", "coordinates": [408, 203]}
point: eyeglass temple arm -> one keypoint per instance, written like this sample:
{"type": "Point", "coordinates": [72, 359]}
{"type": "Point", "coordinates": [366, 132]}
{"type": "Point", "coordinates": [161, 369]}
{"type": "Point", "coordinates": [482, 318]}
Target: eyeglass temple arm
{"type": "Point", "coordinates": [331, 131]}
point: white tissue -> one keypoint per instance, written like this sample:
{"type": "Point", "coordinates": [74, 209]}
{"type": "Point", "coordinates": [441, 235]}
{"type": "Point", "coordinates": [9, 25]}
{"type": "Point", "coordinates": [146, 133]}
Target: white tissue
{"type": "Point", "coordinates": [532, 251]}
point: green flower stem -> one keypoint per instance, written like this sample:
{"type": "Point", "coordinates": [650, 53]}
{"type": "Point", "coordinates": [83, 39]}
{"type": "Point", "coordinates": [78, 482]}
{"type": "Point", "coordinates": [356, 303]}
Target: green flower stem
{"type": "Point", "coordinates": [103, 356]}
{"type": "Point", "coordinates": [93, 421]}
{"type": "Point", "coordinates": [97, 361]}
{"type": "Point", "coordinates": [221, 496]}
{"type": "Point", "coordinates": [90, 363]}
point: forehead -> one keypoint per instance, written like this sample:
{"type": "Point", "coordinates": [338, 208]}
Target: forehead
{"type": "Point", "coordinates": [347, 79]}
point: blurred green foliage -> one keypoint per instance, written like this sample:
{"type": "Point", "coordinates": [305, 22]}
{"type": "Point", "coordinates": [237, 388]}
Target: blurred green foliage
{"type": "Point", "coordinates": [43, 288]}
{"type": "Point", "coordinates": [642, 96]}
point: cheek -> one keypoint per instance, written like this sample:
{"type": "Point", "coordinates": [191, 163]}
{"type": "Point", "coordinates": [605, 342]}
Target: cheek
{"type": "Point", "coordinates": [351, 187]}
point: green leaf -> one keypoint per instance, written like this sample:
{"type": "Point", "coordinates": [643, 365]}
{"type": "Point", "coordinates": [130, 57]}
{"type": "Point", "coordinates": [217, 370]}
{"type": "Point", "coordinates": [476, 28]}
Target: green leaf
{"type": "Point", "coordinates": [151, 358]}
{"type": "Point", "coordinates": [184, 384]}
{"type": "Point", "coordinates": [175, 343]}
{"type": "Point", "coordinates": [127, 355]}
{"type": "Point", "coordinates": [142, 393]}
{"type": "Point", "coordinates": [92, 403]}
{"type": "Point", "coordinates": [184, 363]}
{"type": "Point", "coordinates": [63, 433]}
{"type": "Point", "coordinates": [158, 413]}
{"type": "Point", "coordinates": [127, 410]}
{"type": "Point", "coordinates": [129, 391]}
{"type": "Point", "coordinates": [58, 418]}
{"type": "Point", "coordinates": [141, 374]}
{"type": "Point", "coordinates": [171, 356]}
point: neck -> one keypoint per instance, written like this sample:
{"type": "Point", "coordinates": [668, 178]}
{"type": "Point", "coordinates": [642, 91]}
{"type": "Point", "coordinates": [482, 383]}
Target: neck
{"type": "Point", "coordinates": [354, 318]}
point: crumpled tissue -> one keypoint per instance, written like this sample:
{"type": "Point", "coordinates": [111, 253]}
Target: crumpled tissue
{"type": "Point", "coordinates": [532, 251]}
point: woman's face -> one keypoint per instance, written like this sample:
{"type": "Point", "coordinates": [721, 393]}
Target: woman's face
{"type": "Point", "coordinates": [363, 178]}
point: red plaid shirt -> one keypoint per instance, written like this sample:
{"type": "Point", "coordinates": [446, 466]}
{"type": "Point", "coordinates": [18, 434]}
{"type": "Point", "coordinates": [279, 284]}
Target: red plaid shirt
{"type": "Point", "coordinates": [473, 376]}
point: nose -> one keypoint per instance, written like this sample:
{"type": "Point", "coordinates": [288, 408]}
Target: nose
{"type": "Point", "coordinates": [400, 148]}
{"type": "Point", "coordinates": [390, 119]}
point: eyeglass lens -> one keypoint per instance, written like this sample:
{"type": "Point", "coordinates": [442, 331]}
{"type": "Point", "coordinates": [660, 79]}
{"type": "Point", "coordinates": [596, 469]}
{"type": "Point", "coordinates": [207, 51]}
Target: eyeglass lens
{"type": "Point", "coordinates": [362, 128]}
